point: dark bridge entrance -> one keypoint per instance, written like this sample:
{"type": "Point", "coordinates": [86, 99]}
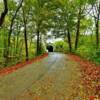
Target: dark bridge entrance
{"type": "Point", "coordinates": [50, 48]}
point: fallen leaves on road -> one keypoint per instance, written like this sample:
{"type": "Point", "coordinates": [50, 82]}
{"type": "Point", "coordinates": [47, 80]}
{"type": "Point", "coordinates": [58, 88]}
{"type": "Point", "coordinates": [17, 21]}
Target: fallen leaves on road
{"type": "Point", "coordinates": [90, 77]}
{"type": "Point", "coordinates": [65, 80]}
{"type": "Point", "coordinates": [58, 85]}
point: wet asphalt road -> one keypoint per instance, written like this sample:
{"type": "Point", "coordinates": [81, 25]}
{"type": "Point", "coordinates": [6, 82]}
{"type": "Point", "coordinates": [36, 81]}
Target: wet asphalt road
{"type": "Point", "coordinates": [42, 80]}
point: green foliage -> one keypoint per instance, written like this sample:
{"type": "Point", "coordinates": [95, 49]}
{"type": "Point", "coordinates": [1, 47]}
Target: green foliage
{"type": "Point", "coordinates": [87, 50]}
{"type": "Point", "coordinates": [60, 46]}
{"type": "Point", "coordinates": [55, 16]}
{"type": "Point", "coordinates": [88, 53]}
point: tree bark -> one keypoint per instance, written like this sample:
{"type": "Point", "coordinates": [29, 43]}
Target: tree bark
{"type": "Point", "coordinates": [78, 30]}
{"type": "Point", "coordinates": [12, 22]}
{"type": "Point", "coordinates": [38, 42]}
{"type": "Point", "coordinates": [10, 31]}
{"type": "Point", "coordinates": [25, 36]}
{"type": "Point", "coordinates": [97, 33]}
{"type": "Point", "coordinates": [4, 13]}
{"type": "Point", "coordinates": [97, 27]}
{"type": "Point", "coordinates": [38, 37]}
{"type": "Point", "coordinates": [69, 41]}
{"type": "Point", "coordinates": [17, 38]}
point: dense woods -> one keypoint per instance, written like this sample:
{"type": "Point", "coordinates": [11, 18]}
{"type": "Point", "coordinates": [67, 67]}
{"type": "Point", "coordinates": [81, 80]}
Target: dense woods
{"type": "Point", "coordinates": [25, 24]}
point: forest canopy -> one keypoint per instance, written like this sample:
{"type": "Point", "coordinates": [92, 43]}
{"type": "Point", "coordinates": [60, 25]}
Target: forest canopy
{"type": "Point", "coordinates": [25, 24]}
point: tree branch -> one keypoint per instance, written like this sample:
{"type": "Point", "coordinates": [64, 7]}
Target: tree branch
{"type": "Point", "coordinates": [3, 14]}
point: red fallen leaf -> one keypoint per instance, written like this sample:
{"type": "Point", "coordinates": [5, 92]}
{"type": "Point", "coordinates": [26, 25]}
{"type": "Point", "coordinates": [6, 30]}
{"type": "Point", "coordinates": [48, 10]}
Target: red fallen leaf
{"type": "Point", "coordinates": [36, 98]}
{"type": "Point", "coordinates": [90, 75]}
{"type": "Point", "coordinates": [91, 97]}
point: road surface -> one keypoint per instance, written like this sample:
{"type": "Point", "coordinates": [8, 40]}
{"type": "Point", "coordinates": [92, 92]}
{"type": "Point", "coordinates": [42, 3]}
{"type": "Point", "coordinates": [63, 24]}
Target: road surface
{"type": "Point", "coordinates": [53, 78]}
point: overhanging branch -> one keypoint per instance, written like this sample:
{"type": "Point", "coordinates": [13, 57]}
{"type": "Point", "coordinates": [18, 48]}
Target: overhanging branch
{"type": "Point", "coordinates": [3, 14]}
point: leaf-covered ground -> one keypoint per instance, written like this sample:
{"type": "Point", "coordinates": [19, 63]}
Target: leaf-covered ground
{"type": "Point", "coordinates": [90, 77]}
{"type": "Point", "coordinates": [56, 77]}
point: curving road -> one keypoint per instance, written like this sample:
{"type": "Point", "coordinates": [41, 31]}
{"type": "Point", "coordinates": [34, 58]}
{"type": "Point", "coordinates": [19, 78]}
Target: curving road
{"type": "Point", "coordinates": [52, 78]}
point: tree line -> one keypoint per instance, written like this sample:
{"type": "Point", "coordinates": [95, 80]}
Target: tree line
{"type": "Point", "coordinates": [24, 21]}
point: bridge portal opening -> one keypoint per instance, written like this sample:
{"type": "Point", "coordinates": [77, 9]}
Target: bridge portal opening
{"type": "Point", "coordinates": [50, 48]}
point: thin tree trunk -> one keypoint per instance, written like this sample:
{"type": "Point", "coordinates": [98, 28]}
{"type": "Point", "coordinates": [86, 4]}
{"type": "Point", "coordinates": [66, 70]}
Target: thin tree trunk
{"type": "Point", "coordinates": [38, 37]}
{"type": "Point", "coordinates": [5, 46]}
{"type": "Point", "coordinates": [97, 27]}
{"type": "Point", "coordinates": [25, 35]}
{"type": "Point", "coordinates": [4, 13]}
{"type": "Point", "coordinates": [69, 41]}
{"type": "Point", "coordinates": [30, 42]}
{"type": "Point", "coordinates": [41, 43]}
{"type": "Point", "coordinates": [21, 49]}
{"type": "Point", "coordinates": [38, 42]}
{"type": "Point", "coordinates": [17, 39]}
{"type": "Point", "coordinates": [11, 25]}
{"type": "Point", "coordinates": [78, 30]}
{"type": "Point", "coordinates": [97, 33]}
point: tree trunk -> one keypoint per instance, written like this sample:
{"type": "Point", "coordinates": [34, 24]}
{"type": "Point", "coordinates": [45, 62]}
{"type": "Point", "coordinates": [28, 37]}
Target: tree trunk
{"type": "Point", "coordinates": [25, 35]}
{"type": "Point", "coordinates": [97, 27]}
{"type": "Point", "coordinates": [97, 33]}
{"type": "Point", "coordinates": [41, 43]}
{"type": "Point", "coordinates": [78, 30]}
{"type": "Point", "coordinates": [3, 14]}
{"type": "Point", "coordinates": [69, 41]}
{"type": "Point", "coordinates": [17, 39]}
{"type": "Point", "coordinates": [5, 47]}
{"type": "Point", "coordinates": [38, 42]}
{"type": "Point", "coordinates": [11, 26]}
